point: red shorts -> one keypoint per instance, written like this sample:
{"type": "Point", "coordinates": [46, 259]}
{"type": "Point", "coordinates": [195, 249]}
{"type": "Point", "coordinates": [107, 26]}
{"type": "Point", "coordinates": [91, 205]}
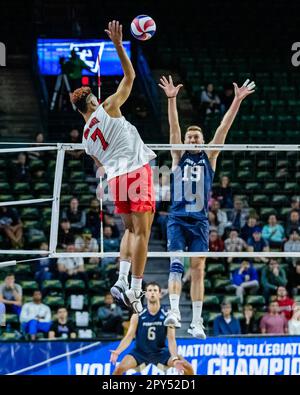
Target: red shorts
{"type": "Point", "coordinates": [134, 191]}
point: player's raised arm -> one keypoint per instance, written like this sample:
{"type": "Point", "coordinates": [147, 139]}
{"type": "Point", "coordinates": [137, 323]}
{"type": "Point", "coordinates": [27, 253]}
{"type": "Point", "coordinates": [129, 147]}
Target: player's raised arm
{"type": "Point", "coordinates": [172, 345]}
{"type": "Point", "coordinates": [171, 92]}
{"type": "Point", "coordinates": [126, 341]}
{"type": "Point", "coordinates": [221, 133]}
{"type": "Point", "coordinates": [115, 101]}
{"type": "Point", "coordinates": [177, 361]}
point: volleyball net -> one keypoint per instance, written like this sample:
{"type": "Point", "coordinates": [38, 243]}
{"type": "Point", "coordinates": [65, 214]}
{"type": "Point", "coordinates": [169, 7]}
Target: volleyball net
{"type": "Point", "coordinates": [263, 177]}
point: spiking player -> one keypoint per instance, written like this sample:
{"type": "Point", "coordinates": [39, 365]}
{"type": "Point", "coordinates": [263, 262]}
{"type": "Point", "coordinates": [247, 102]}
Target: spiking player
{"type": "Point", "coordinates": [116, 145]}
{"type": "Point", "coordinates": [150, 339]}
{"type": "Point", "coordinates": [188, 227]}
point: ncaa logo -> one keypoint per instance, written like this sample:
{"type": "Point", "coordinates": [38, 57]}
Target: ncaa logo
{"type": "Point", "coordinates": [2, 55]}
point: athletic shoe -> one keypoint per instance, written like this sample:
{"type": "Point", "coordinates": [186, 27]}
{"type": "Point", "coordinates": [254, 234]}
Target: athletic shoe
{"type": "Point", "coordinates": [197, 330]}
{"type": "Point", "coordinates": [173, 319]}
{"type": "Point", "coordinates": [116, 290]}
{"type": "Point", "coordinates": [133, 300]}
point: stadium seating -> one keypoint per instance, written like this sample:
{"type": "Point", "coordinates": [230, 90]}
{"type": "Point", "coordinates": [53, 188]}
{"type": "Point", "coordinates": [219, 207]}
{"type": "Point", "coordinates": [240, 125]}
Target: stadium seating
{"type": "Point", "coordinates": [268, 180]}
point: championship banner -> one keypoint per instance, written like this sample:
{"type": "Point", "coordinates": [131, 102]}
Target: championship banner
{"type": "Point", "coordinates": [216, 356]}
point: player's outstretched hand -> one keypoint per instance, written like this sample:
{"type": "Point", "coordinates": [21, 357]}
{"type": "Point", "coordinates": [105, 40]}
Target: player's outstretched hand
{"type": "Point", "coordinates": [114, 32]}
{"type": "Point", "coordinates": [113, 357]}
{"type": "Point", "coordinates": [245, 90]}
{"type": "Point", "coordinates": [168, 86]}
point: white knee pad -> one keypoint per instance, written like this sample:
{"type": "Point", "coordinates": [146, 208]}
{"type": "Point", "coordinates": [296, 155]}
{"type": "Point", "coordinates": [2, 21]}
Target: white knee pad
{"type": "Point", "coordinates": [176, 269]}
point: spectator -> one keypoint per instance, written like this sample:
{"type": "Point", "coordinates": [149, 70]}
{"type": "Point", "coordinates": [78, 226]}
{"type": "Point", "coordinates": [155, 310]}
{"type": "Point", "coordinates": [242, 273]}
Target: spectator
{"type": "Point", "coordinates": [221, 216]}
{"type": "Point", "coordinates": [21, 171]}
{"type": "Point", "coordinates": [249, 325]}
{"type": "Point", "coordinates": [293, 222]}
{"type": "Point", "coordinates": [257, 244]}
{"type": "Point", "coordinates": [44, 267]}
{"type": "Point", "coordinates": [226, 98]}
{"type": "Point", "coordinates": [293, 244]}
{"type": "Point", "coordinates": [110, 316]}
{"type": "Point", "coordinates": [226, 324]}
{"type": "Point", "coordinates": [214, 223]}
{"type": "Point", "coordinates": [109, 243]}
{"type": "Point", "coordinates": [294, 279]}
{"type": "Point", "coordinates": [35, 316]}
{"type": "Point", "coordinates": [39, 140]}
{"type": "Point", "coordinates": [223, 193]}
{"type": "Point", "coordinates": [109, 221]}
{"type": "Point", "coordinates": [284, 302]}
{"type": "Point", "coordinates": [248, 228]}
{"type": "Point", "coordinates": [62, 327]}
{"type": "Point", "coordinates": [93, 218]}
{"type": "Point", "coordinates": [71, 268]}
{"type": "Point", "coordinates": [273, 232]}
{"type": "Point", "coordinates": [237, 216]}
{"type": "Point", "coordinates": [234, 243]}
{"type": "Point", "coordinates": [210, 101]}
{"type": "Point", "coordinates": [11, 226]}
{"type": "Point", "coordinates": [216, 244]}
{"type": "Point", "coordinates": [65, 234]}
{"type": "Point", "coordinates": [74, 138]}
{"type": "Point", "coordinates": [11, 295]}
{"type": "Point", "coordinates": [294, 322]}
{"type": "Point", "coordinates": [273, 322]}
{"type": "Point", "coordinates": [295, 205]}
{"type": "Point", "coordinates": [245, 279]}
{"type": "Point", "coordinates": [272, 277]}
{"type": "Point", "coordinates": [85, 242]}
{"type": "Point", "coordinates": [75, 215]}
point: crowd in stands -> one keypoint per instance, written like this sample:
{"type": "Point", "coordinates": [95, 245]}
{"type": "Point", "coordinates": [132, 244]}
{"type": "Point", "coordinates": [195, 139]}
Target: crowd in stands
{"type": "Point", "coordinates": [52, 306]}
{"type": "Point", "coordinates": [213, 103]}
{"type": "Point", "coordinates": [282, 317]}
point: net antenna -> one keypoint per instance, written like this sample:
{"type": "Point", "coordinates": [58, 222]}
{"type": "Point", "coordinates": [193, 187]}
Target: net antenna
{"type": "Point", "coordinates": [99, 57]}
{"type": "Point", "coordinates": [100, 195]}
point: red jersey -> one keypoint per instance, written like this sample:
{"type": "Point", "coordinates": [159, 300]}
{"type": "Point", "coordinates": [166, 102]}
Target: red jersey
{"type": "Point", "coordinates": [286, 307]}
{"type": "Point", "coordinates": [216, 246]}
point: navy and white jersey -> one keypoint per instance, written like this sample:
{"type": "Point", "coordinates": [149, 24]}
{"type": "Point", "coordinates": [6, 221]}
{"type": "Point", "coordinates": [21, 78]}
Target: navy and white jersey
{"type": "Point", "coordinates": [191, 185]}
{"type": "Point", "coordinates": [151, 333]}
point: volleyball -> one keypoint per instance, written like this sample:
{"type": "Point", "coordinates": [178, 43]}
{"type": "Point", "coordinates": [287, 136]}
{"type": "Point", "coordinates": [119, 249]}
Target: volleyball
{"type": "Point", "coordinates": [143, 27]}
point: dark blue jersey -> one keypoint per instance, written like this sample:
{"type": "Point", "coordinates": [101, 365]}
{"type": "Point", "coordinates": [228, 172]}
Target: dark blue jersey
{"type": "Point", "coordinates": [151, 333]}
{"type": "Point", "coordinates": [191, 185]}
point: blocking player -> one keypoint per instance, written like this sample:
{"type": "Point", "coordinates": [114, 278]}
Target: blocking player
{"type": "Point", "coordinates": [116, 146]}
{"type": "Point", "coordinates": [188, 227]}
